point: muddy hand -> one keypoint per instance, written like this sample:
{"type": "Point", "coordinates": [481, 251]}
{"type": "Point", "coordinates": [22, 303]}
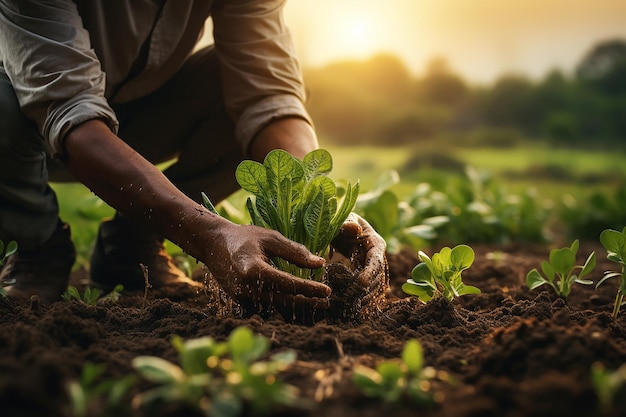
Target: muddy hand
{"type": "Point", "coordinates": [365, 248]}
{"type": "Point", "coordinates": [242, 268]}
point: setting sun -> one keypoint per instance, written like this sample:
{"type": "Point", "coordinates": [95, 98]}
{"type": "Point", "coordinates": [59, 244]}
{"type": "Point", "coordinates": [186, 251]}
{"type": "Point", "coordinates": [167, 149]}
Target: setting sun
{"type": "Point", "coordinates": [480, 39]}
{"type": "Point", "coordinates": [352, 36]}
{"type": "Point", "coordinates": [347, 29]}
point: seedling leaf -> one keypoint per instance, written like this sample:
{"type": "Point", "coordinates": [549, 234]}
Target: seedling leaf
{"type": "Point", "coordinates": [251, 177]}
{"type": "Point", "coordinates": [441, 275]}
{"type": "Point", "coordinates": [559, 270]}
{"type": "Point", "coordinates": [615, 243]}
{"type": "Point", "coordinates": [246, 347]}
{"type": "Point", "coordinates": [461, 257]}
{"type": "Point", "coordinates": [398, 380]}
{"type": "Point", "coordinates": [412, 355]}
{"type": "Point", "coordinates": [316, 163]}
{"type": "Point", "coordinates": [535, 280]}
{"type": "Point", "coordinates": [158, 370]}
{"type": "Point", "coordinates": [206, 202]}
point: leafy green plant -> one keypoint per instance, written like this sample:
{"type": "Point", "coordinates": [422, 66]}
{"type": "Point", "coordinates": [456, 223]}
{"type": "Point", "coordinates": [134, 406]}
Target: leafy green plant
{"type": "Point", "coordinates": [615, 243]}
{"type": "Point", "coordinates": [92, 296]}
{"type": "Point", "coordinates": [470, 208]}
{"type": "Point", "coordinates": [10, 249]}
{"type": "Point", "coordinates": [480, 209]}
{"type": "Point", "coordinates": [298, 199]}
{"type": "Point", "coordinates": [560, 271]}
{"type": "Point", "coordinates": [222, 379]}
{"type": "Point", "coordinates": [607, 383]}
{"type": "Point", "coordinates": [441, 275]}
{"type": "Point", "coordinates": [400, 380]}
{"type": "Point", "coordinates": [93, 396]}
{"type": "Point", "coordinates": [401, 223]}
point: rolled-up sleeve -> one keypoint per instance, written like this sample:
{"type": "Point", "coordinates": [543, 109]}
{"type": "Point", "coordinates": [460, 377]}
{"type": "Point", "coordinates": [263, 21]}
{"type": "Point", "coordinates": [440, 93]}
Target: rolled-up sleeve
{"type": "Point", "coordinates": [46, 53]}
{"type": "Point", "coordinates": [260, 72]}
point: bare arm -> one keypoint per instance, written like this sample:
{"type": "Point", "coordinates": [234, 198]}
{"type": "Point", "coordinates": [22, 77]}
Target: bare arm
{"type": "Point", "coordinates": [235, 254]}
{"type": "Point", "coordinates": [292, 134]}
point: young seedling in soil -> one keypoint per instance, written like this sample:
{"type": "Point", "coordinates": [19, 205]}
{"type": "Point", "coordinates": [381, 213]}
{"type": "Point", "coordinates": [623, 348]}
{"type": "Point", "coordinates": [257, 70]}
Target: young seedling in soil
{"type": "Point", "coordinates": [92, 396]}
{"type": "Point", "coordinates": [298, 199]}
{"type": "Point", "coordinates": [441, 275]}
{"type": "Point", "coordinates": [607, 384]}
{"type": "Point", "coordinates": [560, 271]}
{"type": "Point", "coordinates": [403, 224]}
{"type": "Point", "coordinates": [404, 380]}
{"type": "Point", "coordinates": [615, 243]}
{"type": "Point", "coordinates": [10, 249]}
{"type": "Point", "coordinates": [92, 296]}
{"type": "Point", "coordinates": [222, 379]}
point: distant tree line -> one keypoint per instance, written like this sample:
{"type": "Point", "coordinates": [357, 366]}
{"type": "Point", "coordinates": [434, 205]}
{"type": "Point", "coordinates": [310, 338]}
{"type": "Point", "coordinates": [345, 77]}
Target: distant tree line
{"type": "Point", "coordinates": [379, 101]}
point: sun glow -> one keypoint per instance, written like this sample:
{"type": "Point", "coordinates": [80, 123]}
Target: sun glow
{"type": "Point", "coordinates": [345, 29]}
{"type": "Point", "coordinates": [356, 35]}
{"type": "Point", "coordinates": [480, 38]}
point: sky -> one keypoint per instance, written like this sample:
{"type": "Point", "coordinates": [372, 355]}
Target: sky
{"type": "Point", "coordinates": [481, 39]}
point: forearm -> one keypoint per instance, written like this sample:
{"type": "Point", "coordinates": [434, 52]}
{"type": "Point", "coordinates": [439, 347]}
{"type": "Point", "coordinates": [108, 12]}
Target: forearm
{"type": "Point", "coordinates": [133, 186]}
{"type": "Point", "coordinates": [292, 134]}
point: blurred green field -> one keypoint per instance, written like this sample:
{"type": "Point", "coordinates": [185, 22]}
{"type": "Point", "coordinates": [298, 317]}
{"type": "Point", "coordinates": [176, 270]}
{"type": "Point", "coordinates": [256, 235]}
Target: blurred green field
{"type": "Point", "coordinates": [554, 174]}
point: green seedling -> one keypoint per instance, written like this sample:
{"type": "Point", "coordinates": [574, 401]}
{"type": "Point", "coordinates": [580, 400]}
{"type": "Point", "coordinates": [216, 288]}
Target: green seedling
{"type": "Point", "coordinates": [92, 296]}
{"type": "Point", "coordinates": [606, 383]}
{"type": "Point", "coordinates": [441, 276]}
{"type": "Point", "coordinates": [403, 224]}
{"type": "Point", "coordinates": [298, 199]}
{"type": "Point", "coordinates": [615, 243]}
{"type": "Point", "coordinates": [404, 380]}
{"type": "Point", "coordinates": [220, 378]}
{"type": "Point", "coordinates": [93, 396]}
{"type": "Point", "coordinates": [10, 249]}
{"type": "Point", "coordinates": [560, 271]}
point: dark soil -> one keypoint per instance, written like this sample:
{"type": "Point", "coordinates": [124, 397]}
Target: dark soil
{"type": "Point", "coordinates": [510, 351]}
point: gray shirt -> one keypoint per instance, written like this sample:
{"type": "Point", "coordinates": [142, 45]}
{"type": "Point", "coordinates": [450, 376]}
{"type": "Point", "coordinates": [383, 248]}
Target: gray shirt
{"type": "Point", "coordinates": [68, 59]}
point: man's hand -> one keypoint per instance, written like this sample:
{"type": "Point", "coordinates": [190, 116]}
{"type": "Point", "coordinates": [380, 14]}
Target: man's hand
{"type": "Point", "coordinates": [239, 260]}
{"type": "Point", "coordinates": [360, 243]}
{"type": "Point", "coordinates": [365, 249]}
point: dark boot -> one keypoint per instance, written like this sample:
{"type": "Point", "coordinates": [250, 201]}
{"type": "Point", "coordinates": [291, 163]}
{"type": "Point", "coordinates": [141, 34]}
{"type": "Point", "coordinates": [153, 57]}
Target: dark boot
{"type": "Point", "coordinates": [43, 271]}
{"type": "Point", "coordinates": [121, 248]}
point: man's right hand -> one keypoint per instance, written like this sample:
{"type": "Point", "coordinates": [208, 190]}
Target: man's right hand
{"type": "Point", "coordinates": [239, 260]}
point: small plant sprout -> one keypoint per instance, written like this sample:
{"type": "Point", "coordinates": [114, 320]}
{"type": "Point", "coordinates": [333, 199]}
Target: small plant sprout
{"type": "Point", "coordinates": [298, 199]}
{"type": "Point", "coordinates": [615, 243]}
{"type": "Point", "coordinates": [10, 249]}
{"type": "Point", "coordinates": [441, 275]}
{"type": "Point", "coordinates": [220, 378]}
{"type": "Point", "coordinates": [560, 271]}
{"type": "Point", "coordinates": [93, 396]}
{"type": "Point", "coordinates": [606, 383]}
{"type": "Point", "coordinates": [92, 296]}
{"type": "Point", "coordinates": [407, 379]}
